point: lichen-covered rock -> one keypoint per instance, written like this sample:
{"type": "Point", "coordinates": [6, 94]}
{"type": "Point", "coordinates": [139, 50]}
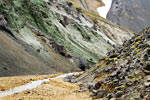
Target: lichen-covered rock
{"type": "Point", "coordinates": [125, 75]}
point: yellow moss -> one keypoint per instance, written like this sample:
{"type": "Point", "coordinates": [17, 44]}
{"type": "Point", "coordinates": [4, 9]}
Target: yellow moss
{"type": "Point", "coordinates": [107, 58]}
{"type": "Point", "coordinates": [138, 42]}
{"type": "Point", "coordinates": [135, 77]}
{"type": "Point", "coordinates": [129, 79]}
{"type": "Point", "coordinates": [138, 37]}
{"type": "Point", "coordinates": [128, 57]}
{"type": "Point", "coordinates": [134, 50]}
{"type": "Point", "coordinates": [111, 59]}
{"type": "Point", "coordinates": [125, 48]}
{"type": "Point", "coordinates": [123, 86]}
{"type": "Point", "coordinates": [138, 53]}
{"type": "Point", "coordinates": [138, 50]}
{"type": "Point", "coordinates": [115, 58]}
{"type": "Point", "coordinates": [118, 59]}
{"type": "Point", "coordinates": [131, 18]}
{"type": "Point", "coordinates": [147, 49]}
{"type": "Point", "coordinates": [133, 46]}
{"type": "Point", "coordinates": [148, 30]}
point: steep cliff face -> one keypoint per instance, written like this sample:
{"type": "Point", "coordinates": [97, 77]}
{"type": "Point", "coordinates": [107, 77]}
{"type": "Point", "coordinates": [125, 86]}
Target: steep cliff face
{"type": "Point", "coordinates": [132, 14]}
{"type": "Point", "coordinates": [59, 34]}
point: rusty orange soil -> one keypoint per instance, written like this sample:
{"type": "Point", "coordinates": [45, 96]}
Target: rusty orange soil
{"type": "Point", "coordinates": [11, 82]}
{"type": "Point", "coordinates": [55, 89]}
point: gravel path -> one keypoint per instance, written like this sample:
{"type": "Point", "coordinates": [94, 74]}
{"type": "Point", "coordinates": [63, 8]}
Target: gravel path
{"type": "Point", "coordinates": [30, 85]}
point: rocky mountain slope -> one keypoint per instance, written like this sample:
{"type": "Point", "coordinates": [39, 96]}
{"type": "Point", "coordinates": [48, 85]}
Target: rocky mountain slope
{"type": "Point", "coordinates": [53, 36]}
{"type": "Point", "coordinates": [22, 59]}
{"type": "Point", "coordinates": [123, 74]}
{"type": "Point", "coordinates": [132, 14]}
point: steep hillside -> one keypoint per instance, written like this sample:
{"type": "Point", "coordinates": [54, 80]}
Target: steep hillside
{"type": "Point", "coordinates": [132, 14]}
{"type": "Point", "coordinates": [124, 73]}
{"type": "Point", "coordinates": [58, 34]}
{"type": "Point", "coordinates": [22, 59]}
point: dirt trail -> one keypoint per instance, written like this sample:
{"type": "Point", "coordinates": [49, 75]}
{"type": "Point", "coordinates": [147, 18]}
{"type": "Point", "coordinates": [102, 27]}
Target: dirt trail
{"type": "Point", "coordinates": [15, 81]}
{"type": "Point", "coordinates": [30, 85]}
{"type": "Point", "coordinates": [55, 89]}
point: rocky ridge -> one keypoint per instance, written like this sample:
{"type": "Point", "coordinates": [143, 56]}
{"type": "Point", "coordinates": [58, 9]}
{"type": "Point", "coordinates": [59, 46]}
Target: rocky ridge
{"type": "Point", "coordinates": [124, 74]}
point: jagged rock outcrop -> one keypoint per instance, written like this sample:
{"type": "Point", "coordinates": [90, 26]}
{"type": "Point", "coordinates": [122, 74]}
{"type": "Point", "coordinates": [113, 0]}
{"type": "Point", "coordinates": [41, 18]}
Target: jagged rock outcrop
{"type": "Point", "coordinates": [60, 34]}
{"type": "Point", "coordinates": [132, 14]}
{"type": "Point", "coordinates": [124, 74]}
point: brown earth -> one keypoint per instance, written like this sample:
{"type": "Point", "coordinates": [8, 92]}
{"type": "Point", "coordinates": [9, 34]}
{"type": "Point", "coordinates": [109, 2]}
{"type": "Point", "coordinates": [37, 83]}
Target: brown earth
{"type": "Point", "coordinates": [11, 82]}
{"type": "Point", "coordinates": [52, 90]}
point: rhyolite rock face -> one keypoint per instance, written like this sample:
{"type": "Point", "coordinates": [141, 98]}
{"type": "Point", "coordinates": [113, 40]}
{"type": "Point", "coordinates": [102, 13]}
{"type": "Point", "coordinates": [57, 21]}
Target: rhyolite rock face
{"type": "Point", "coordinates": [57, 33]}
{"type": "Point", "coordinates": [132, 14]}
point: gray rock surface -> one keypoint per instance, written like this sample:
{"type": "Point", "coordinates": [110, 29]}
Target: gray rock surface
{"type": "Point", "coordinates": [128, 76]}
{"type": "Point", "coordinates": [132, 14]}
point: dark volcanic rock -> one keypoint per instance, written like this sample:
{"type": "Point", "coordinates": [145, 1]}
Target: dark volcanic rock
{"type": "Point", "coordinates": [129, 70]}
{"type": "Point", "coordinates": [100, 94]}
{"type": "Point", "coordinates": [119, 94]}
